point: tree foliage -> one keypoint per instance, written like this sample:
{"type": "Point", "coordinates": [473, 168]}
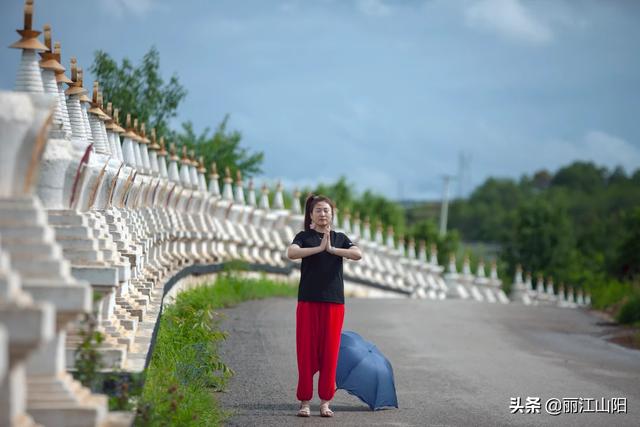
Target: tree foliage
{"type": "Point", "coordinates": [581, 176]}
{"type": "Point", "coordinates": [380, 209]}
{"type": "Point", "coordinates": [141, 91]}
{"type": "Point", "coordinates": [627, 258]}
{"type": "Point", "coordinates": [543, 236]}
{"type": "Point", "coordinates": [223, 147]}
{"type": "Point", "coordinates": [428, 231]}
{"type": "Point", "coordinates": [580, 224]}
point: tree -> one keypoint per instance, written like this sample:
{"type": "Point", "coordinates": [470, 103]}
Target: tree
{"type": "Point", "coordinates": [223, 147]}
{"type": "Point", "coordinates": [488, 215]}
{"type": "Point", "coordinates": [628, 253]}
{"type": "Point", "coordinates": [140, 90]}
{"type": "Point", "coordinates": [380, 208]}
{"type": "Point", "coordinates": [341, 193]}
{"type": "Point", "coordinates": [618, 176]}
{"type": "Point", "coordinates": [583, 176]}
{"type": "Point", "coordinates": [542, 239]}
{"type": "Point", "coordinates": [377, 207]}
{"type": "Point", "coordinates": [427, 230]}
{"type": "Point", "coordinates": [542, 179]}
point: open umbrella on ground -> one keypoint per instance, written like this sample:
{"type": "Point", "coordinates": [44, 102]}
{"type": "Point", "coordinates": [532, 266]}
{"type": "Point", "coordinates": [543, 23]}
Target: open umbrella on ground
{"type": "Point", "coordinates": [364, 372]}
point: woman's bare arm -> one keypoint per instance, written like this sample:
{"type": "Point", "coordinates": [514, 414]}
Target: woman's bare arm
{"type": "Point", "coordinates": [353, 253]}
{"type": "Point", "coordinates": [296, 252]}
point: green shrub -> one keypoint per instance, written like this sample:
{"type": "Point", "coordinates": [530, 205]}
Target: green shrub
{"type": "Point", "coordinates": [630, 311]}
{"type": "Point", "coordinates": [609, 292]}
{"type": "Point", "coordinates": [185, 368]}
{"type": "Point", "coordinates": [88, 360]}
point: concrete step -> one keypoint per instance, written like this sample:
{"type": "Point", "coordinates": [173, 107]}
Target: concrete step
{"type": "Point", "coordinates": [25, 234]}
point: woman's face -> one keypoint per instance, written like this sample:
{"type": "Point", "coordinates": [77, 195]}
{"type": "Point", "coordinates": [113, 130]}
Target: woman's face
{"type": "Point", "coordinates": [321, 214]}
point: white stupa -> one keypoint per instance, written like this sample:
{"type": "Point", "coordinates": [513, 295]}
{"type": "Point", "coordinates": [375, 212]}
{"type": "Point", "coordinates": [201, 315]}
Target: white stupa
{"type": "Point", "coordinates": [202, 181]}
{"type": "Point", "coordinates": [137, 141]}
{"type": "Point", "coordinates": [214, 184]}
{"type": "Point", "coordinates": [356, 229]}
{"type": "Point", "coordinates": [239, 190]}
{"type": "Point", "coordinates": [113, 132]}
{"type": "Point", "coordinates": [49, 66]}
{"type": "Point", "coordinates": [390, 243]}
{"type": "Point", "coordinates": [366, 230]}
{"type": "Point", "coordinates": [251, 194]}
{"type": "Point", "coordinates": [73, 93]}
{"type": "Point", "coordinates": [144, 149]}
{"type": "Point", "coordinates": [29, 77]}
{"type": "Point", "coordinates": [96, 122]}
{"type": "Point", "coordinates": [153, 150]}
{"type": "Point", "coordinates": [278, 200]}
{"type": "Point", "coordinates": [193, 170]}
{"type": "Point", "coordinates": [128, 151]}
{"type": "Point", "coordinates": [85, 104]}
{"type": "Point", "coordinates": [422, 251]}
{"type": "Point", "coordinates": [162, 160]}
{"type": "Point", "coordinates": [61, 80]}
{"type": "Point", "coordinates": [227, 189]}
{"type": "Point", "coordinates": [264, 198]}
{"type": "Point", "coordinates": [185, 166]}
{"type": "Point", "coordinates": [174, 174]}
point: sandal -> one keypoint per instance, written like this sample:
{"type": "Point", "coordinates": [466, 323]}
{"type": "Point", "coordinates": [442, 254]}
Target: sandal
{"type": "Point", "coordinates": [305, 410]}
{"type": "Point", "coordinates": [325, 411]}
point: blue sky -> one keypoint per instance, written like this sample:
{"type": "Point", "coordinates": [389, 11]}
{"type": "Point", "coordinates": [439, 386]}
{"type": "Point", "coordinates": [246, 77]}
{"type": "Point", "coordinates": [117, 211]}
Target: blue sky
{"type": "Point", "coordinates": [387, 93]}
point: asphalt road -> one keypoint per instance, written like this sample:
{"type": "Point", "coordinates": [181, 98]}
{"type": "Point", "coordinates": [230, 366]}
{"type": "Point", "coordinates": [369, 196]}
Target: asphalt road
{"type": "Point", "coordinates": [455, 363]}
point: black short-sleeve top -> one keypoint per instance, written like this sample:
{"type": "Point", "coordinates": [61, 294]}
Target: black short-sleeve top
{"type": "Point", "coordinates": [321, 274]}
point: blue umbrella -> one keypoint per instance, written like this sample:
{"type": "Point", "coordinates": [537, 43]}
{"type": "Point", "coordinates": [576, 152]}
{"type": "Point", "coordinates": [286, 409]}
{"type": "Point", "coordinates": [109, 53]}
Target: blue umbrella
{"type": "Point", "coordinates": [364, 372]}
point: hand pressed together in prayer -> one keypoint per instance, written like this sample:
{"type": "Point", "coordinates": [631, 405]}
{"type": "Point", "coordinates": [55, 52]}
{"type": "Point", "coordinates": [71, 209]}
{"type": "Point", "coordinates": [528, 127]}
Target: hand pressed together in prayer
{"type": "Point", "coordinates": [325, 244]}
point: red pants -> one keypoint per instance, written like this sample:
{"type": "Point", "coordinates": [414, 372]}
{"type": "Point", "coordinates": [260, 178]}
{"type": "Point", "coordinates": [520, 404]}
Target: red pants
{"type": "Point", "coordinates": [318, 328]}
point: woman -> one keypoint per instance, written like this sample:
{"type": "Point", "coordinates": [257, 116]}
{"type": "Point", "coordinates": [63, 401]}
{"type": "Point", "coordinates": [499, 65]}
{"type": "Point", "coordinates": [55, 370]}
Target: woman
{"type": "Point", "coordinates": [320, 310]}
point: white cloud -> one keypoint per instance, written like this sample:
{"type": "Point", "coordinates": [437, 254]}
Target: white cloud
{"type": "Point", "coordinates": [501, 158]}
{"type": "Point", "coordinates": [374, 7]}
{"type": "Point", "coordinates": [596, 146]}
{"type": "Point", "coordinates": [610, 150]}
{"type": "Point", "coordinates": [121, 8]}
{"type": "Point", "coordinates": [509, 18]}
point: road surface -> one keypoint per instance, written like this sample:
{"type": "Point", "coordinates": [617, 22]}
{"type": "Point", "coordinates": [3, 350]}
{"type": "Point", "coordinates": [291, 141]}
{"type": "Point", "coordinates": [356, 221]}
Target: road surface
{"type": "Point", "coordinates": [455, 363]}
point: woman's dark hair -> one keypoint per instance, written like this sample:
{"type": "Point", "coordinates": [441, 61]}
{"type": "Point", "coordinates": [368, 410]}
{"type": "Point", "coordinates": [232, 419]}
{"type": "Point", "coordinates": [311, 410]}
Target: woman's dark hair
{"type": "Point", "coordinates": [312, 199]}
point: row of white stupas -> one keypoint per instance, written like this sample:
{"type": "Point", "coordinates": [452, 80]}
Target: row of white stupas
{"type": "Point", "coordinates": [97, 217]}
{"type": "Point", "coordinates": [545, 293]}
{"type": "Point", "coordinates": [479, 287]}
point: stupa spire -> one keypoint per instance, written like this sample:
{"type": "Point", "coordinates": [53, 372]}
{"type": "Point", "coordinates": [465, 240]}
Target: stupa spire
{"type": "Point", "coordinates": [162, 159]}
{"type": "Point", "coordinates": [78, 129]}
{"type": "Point", "coordinates": [214, 184]}
{"type": "Point", "coordinates": [29, 78]}
{"type": "Point", "coordinates": [264, 197]}
{"type": "Point", "coordinates": [173, 173]}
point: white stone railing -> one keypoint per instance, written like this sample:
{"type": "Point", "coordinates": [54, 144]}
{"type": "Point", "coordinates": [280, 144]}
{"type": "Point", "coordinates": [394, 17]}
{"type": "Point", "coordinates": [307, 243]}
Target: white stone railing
{"type": "Point", "coordinates": [545, 293]}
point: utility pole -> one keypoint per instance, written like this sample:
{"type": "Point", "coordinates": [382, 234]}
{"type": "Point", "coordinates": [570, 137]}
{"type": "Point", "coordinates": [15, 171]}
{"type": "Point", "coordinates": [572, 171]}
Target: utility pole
{"type": "Point", "coordinates": [444, 207]}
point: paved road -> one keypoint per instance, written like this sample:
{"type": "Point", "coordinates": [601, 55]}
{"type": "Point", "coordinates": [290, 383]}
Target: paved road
{"type": "Point", "coordinates": [455, 363]}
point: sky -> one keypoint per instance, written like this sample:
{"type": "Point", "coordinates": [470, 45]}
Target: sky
{"type": "Point", "coordinates": [393, 95]}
